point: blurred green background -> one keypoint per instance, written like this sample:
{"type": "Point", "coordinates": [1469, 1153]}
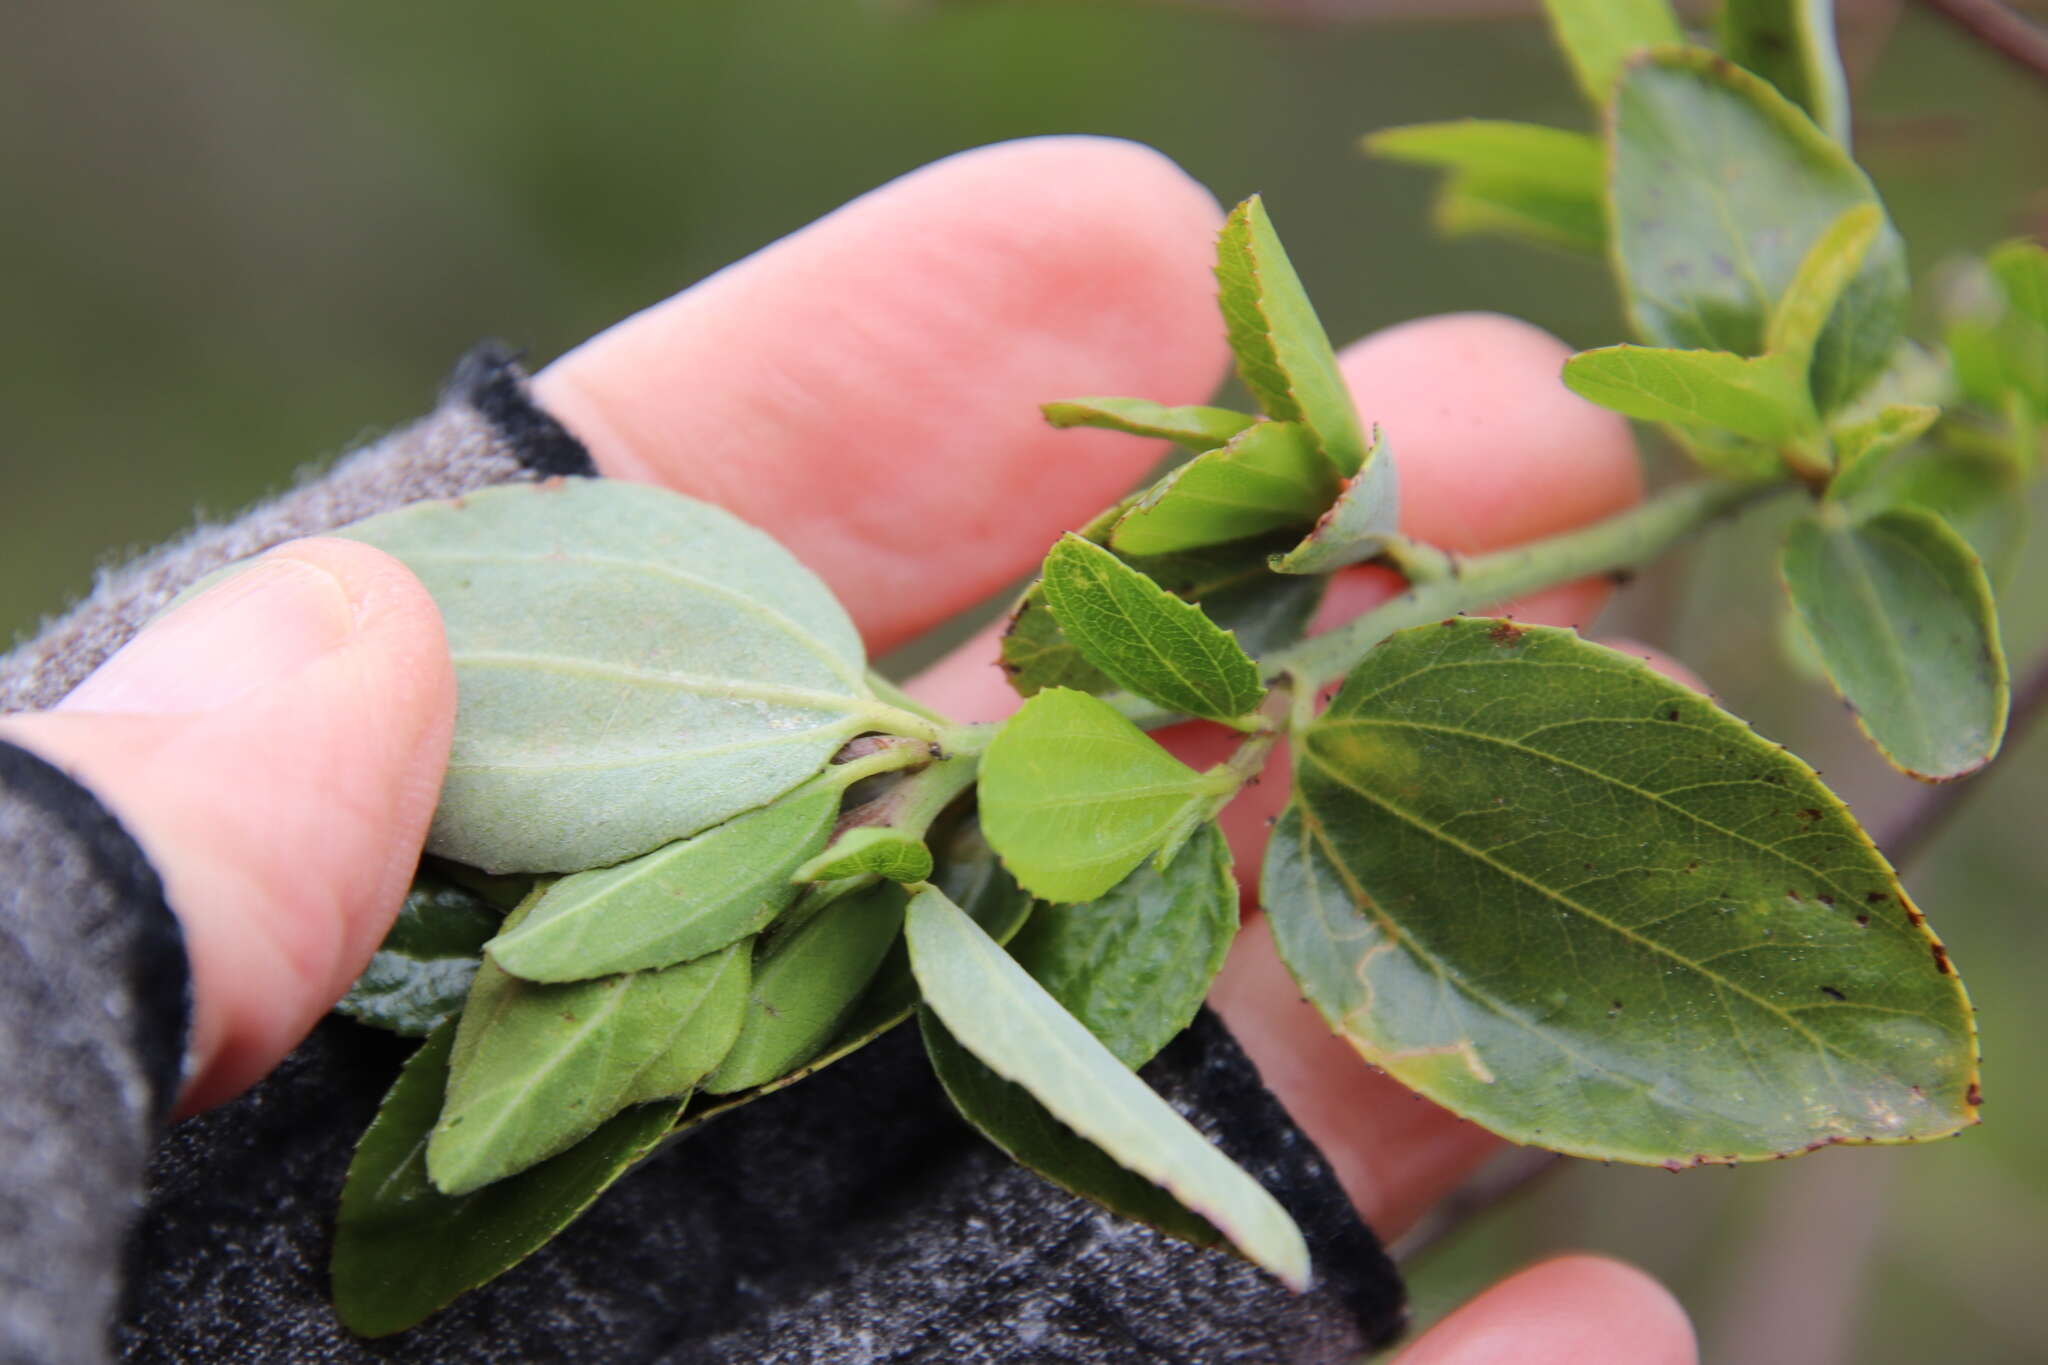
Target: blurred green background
{"type": "Point", "coordinates": [238, 238]}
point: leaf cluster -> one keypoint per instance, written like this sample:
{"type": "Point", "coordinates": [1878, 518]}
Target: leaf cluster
{"type": "Point", "coordinates": [691, 850]}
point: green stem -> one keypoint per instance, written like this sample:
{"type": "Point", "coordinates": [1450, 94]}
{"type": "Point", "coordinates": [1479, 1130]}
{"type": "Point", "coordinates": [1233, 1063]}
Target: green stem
{"type": "Point", "coordinates": [1620, 542]}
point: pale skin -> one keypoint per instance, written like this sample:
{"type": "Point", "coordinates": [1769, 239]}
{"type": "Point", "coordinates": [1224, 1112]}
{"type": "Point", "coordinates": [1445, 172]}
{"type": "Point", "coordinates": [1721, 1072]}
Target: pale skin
{"type": "Point", "coordinates": [865, 390]}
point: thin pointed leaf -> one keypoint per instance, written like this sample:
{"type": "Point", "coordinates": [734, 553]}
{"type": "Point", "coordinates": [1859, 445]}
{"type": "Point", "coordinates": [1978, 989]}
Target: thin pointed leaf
{"type": "Point", "coordinates": [806, 984]}
{"type": "Point", "coordinates": [1268, 476]}
{"type": "Point", "coordinates": [1762, 399]}
{"type": "Point", "coordinates": [1144, 638]}
{"type": "Point", "coordinates": [1135, 963]}
{"type": "Point", "coordinates": [1721, 187]}
{"type": "Point", "coordinates": [1791, 44]}
{"type": "Point", "coordinates": [1007, 1021]}
{"type": "Point", "coordinates": [403, 1249]}
{"type": "Point", "coordinates": [1581, 905]}
{"type": "Point", "coordinates": [633, 667]}
{"type": "Point", "coordinates": [536, 1068]}
{"type": "Point", "coordinates": [1197, 428]}
{"type": "Point", "coordinates": [1599, 36]}
{"type": "Point", "coordinates": [1802, 312]}
{"type": "Point", "coordinates": [1004, 1113]}
{"type": "Point", "coordinates": [1283, 354]}
{"type": "Point", "coordinates": [1514, 179]}
{"type": "Point", "coordinates": [875, 849]}
{"type": "Point", "coordinates": [1073, 796]}
{"type": "Point", "coordinates": [680, 902]}
{"type": "Point", "coordinates": [1358, 525]}
{"type": "Point", "coordinates": [420, 974]}
{"type": "Point", "coordinates": [1903, 616]}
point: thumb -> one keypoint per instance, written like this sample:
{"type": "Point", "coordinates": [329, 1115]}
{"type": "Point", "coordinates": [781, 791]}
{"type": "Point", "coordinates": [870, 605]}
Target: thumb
{"type": "Point", "coordinates": [275, 746]}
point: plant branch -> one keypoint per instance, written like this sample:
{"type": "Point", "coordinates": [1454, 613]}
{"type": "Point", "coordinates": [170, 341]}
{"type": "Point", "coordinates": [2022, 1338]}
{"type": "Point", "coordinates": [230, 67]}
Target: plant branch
{"type": "Point", "coordinates": [1996, 26]}
{"type": "Point", "coordinates": [1620, 542]}
{"type": "Point", "coordinates": [1916, 827]}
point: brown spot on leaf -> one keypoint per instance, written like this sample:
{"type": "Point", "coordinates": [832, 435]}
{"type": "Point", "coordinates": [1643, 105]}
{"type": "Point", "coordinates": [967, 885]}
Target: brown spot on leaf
{"type": "Point", "coordinates": [1505, 633]}
{"type": "Point", "coordinates": [1831, 993]}
{"type": "Point", "coordinates": [1863, 921]}
{"type": "Point", "coordinates": [1876, 897]}
{"type": "Point", "coordinates": [1671, 714]}
{"type": "Point", "coordinates": [1974, 1096]}
{"type": "Point", "coordinates": [1941, 959]}
{"type": "Point", "coordinates": [1809, 815]}
{"type": "Point", "coordinates": [1825, 900]}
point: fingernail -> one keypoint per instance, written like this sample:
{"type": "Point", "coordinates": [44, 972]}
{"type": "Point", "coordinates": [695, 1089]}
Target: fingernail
{"type": "Point", "coordinates": [248, 631]}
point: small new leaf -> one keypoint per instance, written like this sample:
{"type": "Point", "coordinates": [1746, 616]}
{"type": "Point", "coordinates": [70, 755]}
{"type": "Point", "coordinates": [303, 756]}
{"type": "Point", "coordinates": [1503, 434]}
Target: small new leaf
{"type": "Point", "coordinates": [1358, 525]}
{"type": "Point", "coordinates": [1514, 179]}
{"type": "Point", "coordinates": [1803, 310]}
{"type": "Point", "coordinates": [1902, 614]}
{"type": "Point", "coordinates": [870, 849]}
{"type": "Point", "coordinates": [1267, 477]}
{"type": "Point", "coordinates": [1197, 428]}
{"type": "Point", "coordinates": [403, 1249]}
{"type": "Point", "coordinates": [1008, 1022]}
{"type": "Point", "coordinates": [420, 974]}
{"type": "Point", "coordinates": [1581, 905]}
{"type": "Point", "coordinates": [680, 902]}
{"type": "Point", "coordinates": [1073, 796]}
{"type": "Point", "coordinates": [1861, 448]}
{"type": "Point", "coordinates": [1144, 638]}
{"type": "Point", "coordinates": [1283, 354]}
{"type": "Point", "coordinates": [1599, 36]}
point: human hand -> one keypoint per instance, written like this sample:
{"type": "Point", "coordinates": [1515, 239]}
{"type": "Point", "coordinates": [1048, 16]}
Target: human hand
{"type": "Point", "coordinates": [865, 391]}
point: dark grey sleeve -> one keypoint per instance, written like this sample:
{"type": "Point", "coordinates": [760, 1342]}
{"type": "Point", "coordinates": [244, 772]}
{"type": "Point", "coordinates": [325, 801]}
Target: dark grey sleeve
{"type": "Point", "coordinates": [849, 1219]}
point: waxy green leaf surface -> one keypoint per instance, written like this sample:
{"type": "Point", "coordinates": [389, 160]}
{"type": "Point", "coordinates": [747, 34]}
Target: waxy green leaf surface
{"type": "Point", "coordinates": [1144, 638]}
{"type": "Point", "coordinates": [1008, 1022]}
{"type": "Point", "coordinates": [420, 974]}
{"type": "Point", "coordinates": [1902, 614]}
{"type": "Point", "coordinates": [1980, 494]}
{"type": "Point", "coordinates": [1762, 399]}
{"type": "Point", "coordinates": [806, 984]}
{"type": "Point", "coordinates": [1135, 963]}
{"type": "Point", "coordinates": [1720, 189]}
{"type": "Point", "coordinates": [633, 667]}
{"type": "Point", "coordinates": [537, 1067]}
{"type": "Point", "coordinates": [1283, 354]}
{"type": "Point", "coordinates": [1582, 906]}
{"type": "Point", "coordinates": [403, 1249]}
{"type": "Point", "coordinates": [1073, 796]}
{"type": "Point", "coordinates": [1197, 428]}
{"type": "Point", "coordinates": [679, 902]}
{"type": "Point", "coordinates": [1268, 476]}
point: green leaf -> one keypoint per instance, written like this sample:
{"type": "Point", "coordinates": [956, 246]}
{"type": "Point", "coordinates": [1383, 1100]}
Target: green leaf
{"type": "Point", "coordinates": [1763, 398]}
{"type": "Point", "coordinates": [1004, 1113]}
{"type": "Point", "coordinates": [537, 1067]}
{"type": "Point", "coordinates": [2021, 269]}
{"type": "Point", "coordinates": [1903, 616]}
{"type": "Point", "coordinates": [633, 667]}
{"type": "Point", "coordinates": [1997, 358]}
{"type": "Point", "coordinates": [1791, 44]}
{"type": "Point", "coordinates": [1720, 190]}
{"type": "Point", "coordinates": [1861, 448]}
{"type": "Point", "coordinates": [679, 902]}
{"type": "Point", "coordinates": [1980, 494]}
{"type": "Point", "coordinates": [1144, 638]}
{"type": "Point", "coordinates": [1268, 476]}
{"type": "Point", "coordinates": [1196, 428]}
{"type": "Point", "coordinates": [1283, 354]}
{"type": "Point", "coordinates": [1008, 1022]}
{"type": "Point", "coordinates": [420, 974]}
{"type": "Point", "coordinates": [1599, 36]}
{"type": "Point", "coordinates": [1824, 274]}
{"type": "Point", "coordinates": [1579, 904]}
{"type": "Point", "coordinates": [403, 1249]}
{"type": "Point", "coordinates": [1264, 610]}
{"type": "Point", "coordinates": [806, 983]}
{"type": "Point", "coordinates": [1135, 963]}
{"type": "Point", "coordinates": [1358, 525]}
{"type": "Point", "coordinates": [1513, 179]}
{"type": "Point", "coordinates": [1073, 796]}
{"type": "Point", "coordinates": [875, 849]}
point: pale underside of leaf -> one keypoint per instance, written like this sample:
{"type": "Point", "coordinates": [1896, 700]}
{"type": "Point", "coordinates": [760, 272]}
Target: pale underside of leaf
{"type": "Point", "coordinates": [633, 667]}
{"type": "Point", "coordinates": [1358, 525]}
{"type": "Point", "coordinates": [1581, 906]}
{"type": "Point", "coordinates": [1197, 428]}
{"type": "Point", "coordinates": [1003, 1017]}
{"type": "Point", "coordinates": [1902, 613]}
